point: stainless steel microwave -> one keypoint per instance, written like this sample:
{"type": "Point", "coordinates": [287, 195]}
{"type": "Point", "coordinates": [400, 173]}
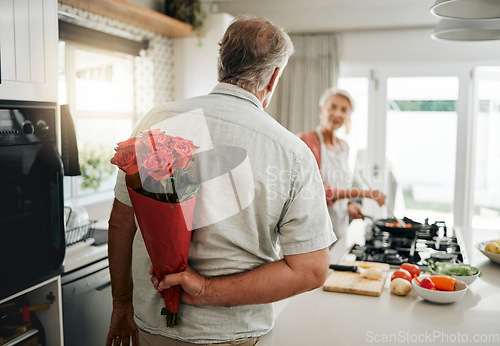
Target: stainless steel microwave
{"type": "Point", "coordinates": [32, 243]}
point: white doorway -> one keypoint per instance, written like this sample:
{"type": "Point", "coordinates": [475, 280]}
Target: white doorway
{"type": "Point", "coordinates": [419, 132]}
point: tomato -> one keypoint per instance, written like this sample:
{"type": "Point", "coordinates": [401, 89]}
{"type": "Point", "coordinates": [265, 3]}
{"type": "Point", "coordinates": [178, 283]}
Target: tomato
{"type": "Point", "coordinates": [412, 268]}
{"type": "Point", "coordinates": [401, 273]}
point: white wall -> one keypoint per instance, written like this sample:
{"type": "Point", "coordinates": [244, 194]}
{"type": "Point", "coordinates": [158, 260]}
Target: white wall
{"type": "Point", "coordinates": [364, 28]}
{"type": "Point", "coordinates": [195, 58]}
{"type": "Point", "coordinates": [334, 15]}
{"type": "Point", "coordinates": [411, 46]}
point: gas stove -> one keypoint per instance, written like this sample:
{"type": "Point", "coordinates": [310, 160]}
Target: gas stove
{"type": "Point", "coordinates": [433, 241]}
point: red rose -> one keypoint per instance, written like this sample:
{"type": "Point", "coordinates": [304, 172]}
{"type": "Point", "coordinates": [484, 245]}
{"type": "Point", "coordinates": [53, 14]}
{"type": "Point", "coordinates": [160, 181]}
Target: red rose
{"type": "Point", "coordinates": [159, 165]}
{"type": "Point", "coordinates": [126, 160]}
{"type": "Point", "coordinates": [126, 144]}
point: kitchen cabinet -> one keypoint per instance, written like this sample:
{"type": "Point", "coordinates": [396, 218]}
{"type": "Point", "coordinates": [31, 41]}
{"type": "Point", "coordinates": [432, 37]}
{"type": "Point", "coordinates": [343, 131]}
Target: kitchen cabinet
{"type": "Point", "coordinates": [51, 318]}
{"type": "Point", "coordinates": [131, 13]}
{"type": "Point", "coordinates": [28, 50]}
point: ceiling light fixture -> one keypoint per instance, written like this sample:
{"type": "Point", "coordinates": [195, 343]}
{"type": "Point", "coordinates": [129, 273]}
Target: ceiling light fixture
{"type": "Point", "coordinates": [467, 30]}
{"type": "Point", "coordinates": [466, 9]}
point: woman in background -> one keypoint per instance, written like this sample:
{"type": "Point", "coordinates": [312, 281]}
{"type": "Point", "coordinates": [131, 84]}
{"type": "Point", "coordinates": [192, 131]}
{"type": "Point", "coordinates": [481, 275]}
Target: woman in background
{"type": "Point", "coordinates": [331, 153]}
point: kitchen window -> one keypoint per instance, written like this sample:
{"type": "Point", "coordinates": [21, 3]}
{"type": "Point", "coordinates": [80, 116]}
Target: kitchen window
{"type": "Point", "coordinates": [486, 208]}
{"type": "Point", "coordinates": [421, 134]}
{"type": "Point", "coordinates": [98, 86]}
{"type": "Point", "coordinates": [434, 127]}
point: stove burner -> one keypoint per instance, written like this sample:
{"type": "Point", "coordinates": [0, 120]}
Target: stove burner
{"type": "Point", "coordinates": [443, 256]}
{"type": "Point", "coordinates": [432, 241]}
{"type": "Point", "coordinates": [397, 243]}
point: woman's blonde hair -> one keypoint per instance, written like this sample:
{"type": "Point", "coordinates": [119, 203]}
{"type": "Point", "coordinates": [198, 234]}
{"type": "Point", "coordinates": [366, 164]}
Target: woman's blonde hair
{"type": "Point", "coordinates": [338, 92]}
{"type": "Point", "coordinates": [334, 92]}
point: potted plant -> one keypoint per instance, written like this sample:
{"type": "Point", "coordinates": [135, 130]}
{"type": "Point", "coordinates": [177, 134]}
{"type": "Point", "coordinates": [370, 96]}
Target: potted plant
{"type": "Point", "coordinates": [188, 11]}
{"type": "Point", "coordinates": [95, 166]}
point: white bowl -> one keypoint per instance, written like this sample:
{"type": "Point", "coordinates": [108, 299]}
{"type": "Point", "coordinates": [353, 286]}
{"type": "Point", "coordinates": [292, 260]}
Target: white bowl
{"type": "Point", "coordinates": [441, 297]}
{"type": "Point", "coordinates": [492, 256]}
{"type": "Point", "coordinates": [467, 279]}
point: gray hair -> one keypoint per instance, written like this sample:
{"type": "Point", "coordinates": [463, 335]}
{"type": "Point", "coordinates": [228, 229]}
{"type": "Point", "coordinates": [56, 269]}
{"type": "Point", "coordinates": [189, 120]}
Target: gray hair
{"type": "Point", "coordinates": [250, 51]}
{"type": "Point", "coordinates": [336, 92]}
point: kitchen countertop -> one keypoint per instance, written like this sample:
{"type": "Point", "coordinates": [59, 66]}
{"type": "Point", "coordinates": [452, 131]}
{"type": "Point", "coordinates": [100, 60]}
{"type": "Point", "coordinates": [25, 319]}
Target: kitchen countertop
{"type": "Point", "coordinates": [329, 318]}
{"type": "Point", "coordinates": [86, 252]}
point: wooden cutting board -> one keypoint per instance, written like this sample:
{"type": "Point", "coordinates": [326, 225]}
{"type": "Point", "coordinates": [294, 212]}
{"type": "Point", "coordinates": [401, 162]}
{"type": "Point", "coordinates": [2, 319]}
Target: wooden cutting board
{"type": "Point", "coordinates": [349, 282]}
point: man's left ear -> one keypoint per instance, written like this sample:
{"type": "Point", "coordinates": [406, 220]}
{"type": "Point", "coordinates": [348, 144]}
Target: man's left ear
{"type": "Point", "coordinates": [274, 79]}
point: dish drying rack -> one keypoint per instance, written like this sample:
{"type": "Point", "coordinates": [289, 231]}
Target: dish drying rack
{"type": "Point", "coordinates": [79, 233]}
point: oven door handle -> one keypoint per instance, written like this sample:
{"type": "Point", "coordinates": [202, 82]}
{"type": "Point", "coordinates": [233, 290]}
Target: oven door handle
{"type": "Point", "coordinates": [83, 283]}
{"type": "Point", "coordinates": [104, 286]}
{"type": "Point", "coordinates": [58, 241]}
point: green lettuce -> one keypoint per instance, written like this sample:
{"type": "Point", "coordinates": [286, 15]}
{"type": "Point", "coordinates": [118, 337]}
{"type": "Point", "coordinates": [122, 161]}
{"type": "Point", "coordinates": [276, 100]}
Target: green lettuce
{"type": "Point", "coordinates": [454, 269]}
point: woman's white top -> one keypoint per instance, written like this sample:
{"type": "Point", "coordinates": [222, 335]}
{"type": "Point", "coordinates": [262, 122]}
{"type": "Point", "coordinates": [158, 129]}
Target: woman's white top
{"type": "Point", "coordinates": [335, 173]}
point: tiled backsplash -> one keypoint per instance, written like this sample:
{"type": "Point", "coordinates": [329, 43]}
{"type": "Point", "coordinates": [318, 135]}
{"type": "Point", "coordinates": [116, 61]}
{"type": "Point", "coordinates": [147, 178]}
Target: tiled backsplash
{"type": "Point", "coordinates": [154, 70]}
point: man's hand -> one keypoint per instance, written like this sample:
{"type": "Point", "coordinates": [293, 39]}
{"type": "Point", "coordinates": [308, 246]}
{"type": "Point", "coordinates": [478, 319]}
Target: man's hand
{"type": "Point", "coordinates": [122, 328]}
{"type": "Point", "coordinates": [268, 283]}
{"type": "Point", "coordinates": [193, 284]}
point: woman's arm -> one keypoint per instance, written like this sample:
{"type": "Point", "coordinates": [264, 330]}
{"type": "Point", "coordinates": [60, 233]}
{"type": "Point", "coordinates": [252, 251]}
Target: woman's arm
{"type": "Point", "coordinates": [337, 194]}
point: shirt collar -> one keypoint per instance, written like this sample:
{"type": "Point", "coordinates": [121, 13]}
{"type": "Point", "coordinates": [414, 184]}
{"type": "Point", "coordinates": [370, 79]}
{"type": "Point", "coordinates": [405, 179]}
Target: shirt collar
{"type": "Point", "coordinates": [236, 91]}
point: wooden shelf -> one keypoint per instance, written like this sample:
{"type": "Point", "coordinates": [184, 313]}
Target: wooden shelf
{"type": "Point", "coordinates": [131, 13]}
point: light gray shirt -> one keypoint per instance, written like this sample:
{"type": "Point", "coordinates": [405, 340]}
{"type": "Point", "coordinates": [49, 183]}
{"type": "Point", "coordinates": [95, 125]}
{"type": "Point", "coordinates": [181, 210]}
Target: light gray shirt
{"type": "Point", "coordinates": [261, 194]}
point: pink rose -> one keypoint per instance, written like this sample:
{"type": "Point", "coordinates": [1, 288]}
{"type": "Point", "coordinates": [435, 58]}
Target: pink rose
{"type": "Point", "coordinates": [183, 162]}
{"type": "Point", "coordinates": [183, 148]}
{"type": "Point", "coordinates": [153, 132]}
{"type": "Point", "coordinates": [162, 140]}
{"type": "Point", "coordinates": [155, 140]}
{"type": "Point", "coordinates": [183, 151]}
{"type": "Point", "coordinates": [158, 165]}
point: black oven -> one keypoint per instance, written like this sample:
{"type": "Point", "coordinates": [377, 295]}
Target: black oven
{"type": "Point", "coordinates": [32, 243]}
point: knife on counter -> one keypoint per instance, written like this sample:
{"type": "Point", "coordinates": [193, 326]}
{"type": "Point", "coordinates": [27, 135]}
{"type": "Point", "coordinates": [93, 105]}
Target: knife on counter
{"type": "Point", "coordinates": [354, 269]}
{"type": "Point", "coordinates": [344, 268]}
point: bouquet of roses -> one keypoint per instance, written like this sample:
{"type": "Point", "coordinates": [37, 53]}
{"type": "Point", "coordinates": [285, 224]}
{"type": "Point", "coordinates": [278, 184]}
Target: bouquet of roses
{"type": "Point", "coordinates": [163, 196]}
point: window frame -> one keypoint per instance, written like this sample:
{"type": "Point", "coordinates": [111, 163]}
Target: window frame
{"type": "Point", "coordinates": [377, 99]}
{"type": "Point", "coordinates": [75, 193]}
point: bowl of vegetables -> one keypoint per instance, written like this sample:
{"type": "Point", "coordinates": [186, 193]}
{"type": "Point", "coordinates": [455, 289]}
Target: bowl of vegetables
{"type": "Point", "coordinates": [439, 288]}
{"type": "Point", "coordinates": [460, 271]}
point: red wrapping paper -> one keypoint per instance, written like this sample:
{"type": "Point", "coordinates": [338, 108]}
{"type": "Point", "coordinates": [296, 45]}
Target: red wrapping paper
{"type": "Point", "coordinates": [166, 229]}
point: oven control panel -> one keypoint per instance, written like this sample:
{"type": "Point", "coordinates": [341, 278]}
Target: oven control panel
{"type": "Point", "coordinates": [26, 125]}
